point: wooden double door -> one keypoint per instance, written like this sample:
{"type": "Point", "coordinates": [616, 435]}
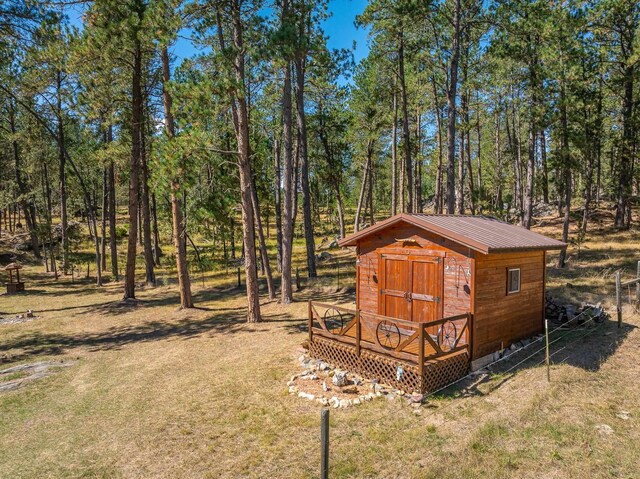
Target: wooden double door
{"type": "Point", "coordinates": [411, 287]}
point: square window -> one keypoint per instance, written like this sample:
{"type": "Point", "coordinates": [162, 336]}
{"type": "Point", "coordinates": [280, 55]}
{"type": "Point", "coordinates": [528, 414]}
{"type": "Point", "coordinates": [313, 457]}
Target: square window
{"type": "Point", "coordinates": [513, 280]}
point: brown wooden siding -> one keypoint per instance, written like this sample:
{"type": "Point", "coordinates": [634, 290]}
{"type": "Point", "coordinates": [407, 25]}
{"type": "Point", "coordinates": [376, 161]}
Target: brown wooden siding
{"type": "Point", "coordinates": [457, 265]}
{"type": "Point", "coordinates": [500, 318]}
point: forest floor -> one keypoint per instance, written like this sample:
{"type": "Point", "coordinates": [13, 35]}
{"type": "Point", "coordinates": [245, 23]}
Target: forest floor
{"type": "Point", "coordinates": [149, 391]}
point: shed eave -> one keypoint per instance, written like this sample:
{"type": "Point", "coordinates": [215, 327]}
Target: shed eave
{"type": "Point", "coordinates": [354, 239]}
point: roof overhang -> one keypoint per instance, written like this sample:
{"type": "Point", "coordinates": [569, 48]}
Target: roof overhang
{"type": "Point", "coordinates": [353, 239]}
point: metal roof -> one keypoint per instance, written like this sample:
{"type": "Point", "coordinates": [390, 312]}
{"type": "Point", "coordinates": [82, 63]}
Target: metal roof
{"type": "Point", "coordinates": [481, 233]}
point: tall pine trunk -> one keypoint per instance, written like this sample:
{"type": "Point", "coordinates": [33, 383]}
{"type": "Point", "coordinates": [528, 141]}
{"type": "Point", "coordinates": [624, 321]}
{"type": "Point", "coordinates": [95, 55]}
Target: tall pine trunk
{"type": "Point", "coordinates": [363, 186]}
{"type": "Point", "coordinates": [545, 170]}
{"type": "Point", "coordinates": [394, 149]}
{"type": "Point", "coordinates": [438, 194]}
{"type": "Point", "coordinates": [27, 207]}
{"type": "Point", "coordinates": [113, 246]}
{"type": "Point", "coordinates": [103, 218]}
{"type": "Point", "coordinates": [566, 167]}
{"type": "Point", "coordinates": [145, 202]}
{"type": "Point", "coordinates": [179, 233]}
{"type": "Point", "coordinates": [623, 187]}
{"type": "Point", "coordinates": [451, 110]}
{"type": "Point", "coordinates": [304, 164]}
{"type": "Point", "coordinates": [157, 252]}
{"type": "Point", "coordinates": [241, 125]}
{"type": "Point", "coordinates": [288, 182]}
{"type": "Point", "coordinates": [134, 166]}
{"type": "Point", "coordinates": [62, 177]}
{"type": "Point", "coordinates": [405, 127]}
{"type": "Point", "coordinates": [278, 201]}
{"type": "Point", "coordinates": [266, 265]}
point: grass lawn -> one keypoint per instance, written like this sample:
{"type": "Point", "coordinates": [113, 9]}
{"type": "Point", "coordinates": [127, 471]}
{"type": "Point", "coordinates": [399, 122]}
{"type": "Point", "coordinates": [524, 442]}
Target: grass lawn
{"type": "Point", "coordinates": [155, 392]}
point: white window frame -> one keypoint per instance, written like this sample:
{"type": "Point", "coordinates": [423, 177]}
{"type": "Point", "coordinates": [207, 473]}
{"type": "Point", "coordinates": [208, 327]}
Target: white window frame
{"type": "Point", "coordinates": [509, 271]}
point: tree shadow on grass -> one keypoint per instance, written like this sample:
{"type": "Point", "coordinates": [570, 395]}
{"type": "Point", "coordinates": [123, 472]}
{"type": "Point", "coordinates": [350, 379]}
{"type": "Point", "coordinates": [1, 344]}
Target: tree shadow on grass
{"type": "Point", "coordinates": [584, 348]}
{"type": "Point", "coordinates": [226, 320]}
{"type": "Point", "coordinates": [34, 344]}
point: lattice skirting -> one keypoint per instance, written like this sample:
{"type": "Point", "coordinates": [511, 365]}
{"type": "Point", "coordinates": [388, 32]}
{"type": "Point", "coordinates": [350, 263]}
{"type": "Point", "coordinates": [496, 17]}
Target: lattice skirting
{"type": "Point", "coordinates": [437, 374]}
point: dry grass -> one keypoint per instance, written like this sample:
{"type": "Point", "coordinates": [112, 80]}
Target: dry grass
{"type": "Point", "coordinates": [160, 393]}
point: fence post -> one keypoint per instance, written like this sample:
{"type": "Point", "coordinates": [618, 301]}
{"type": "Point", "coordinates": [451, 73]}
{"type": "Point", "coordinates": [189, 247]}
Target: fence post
{"type": "Point", "coordinates": [358, 332]}
{"type": "Point", "coordinates": [619, 299]}
{"type": "Point", "coordinates": [239, 280]}
{"type": "Point", "coordinates": [324, 444]}
{"type": "Point", "coordinates": [297, 279]}
{"type": "Point", "coordinates": [546, 335]}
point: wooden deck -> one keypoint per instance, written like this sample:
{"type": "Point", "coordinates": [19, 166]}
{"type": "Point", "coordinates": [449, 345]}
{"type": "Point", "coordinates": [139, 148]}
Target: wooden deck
{"type": "Point", "coordinates": [420, 348]}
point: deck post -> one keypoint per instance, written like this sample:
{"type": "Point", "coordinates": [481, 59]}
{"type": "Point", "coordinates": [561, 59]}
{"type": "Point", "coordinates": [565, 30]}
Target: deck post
{"type": "Point", "coordinates": [619, 298]}
{"type": "Point", "coordinates": [358, 332]}
{"type": "Point", "coordinates": [310, 312]}
{"type": "Point", "coordinates": [421, 351]}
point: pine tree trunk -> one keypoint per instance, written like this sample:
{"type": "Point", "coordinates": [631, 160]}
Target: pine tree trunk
{"type": "Point", "coordinates": [241, 126]}
{"type": "Point", "coordinates": [304, 166]}
{"type": "Point", "coordinates": [405, 127]}
{"type": "Point", "coordinates": [134, 166]}
{"type": "Point", "coordinates": [479, 154]}
{"type": "Point", "coordinates": [623, 190]}
{"type": "Point", "coordinates": [27, 209]}
{"type": "Point", "coordinates": [262, 243]}
{"type": "Point", "coordinates": [472, 193]}
{"type": "Point", "coordinates": [113, 246]}
{"type": "Point", "coordinates": [418, 161]}
{"type": "Point", "coordinates": [278, 201]}
{"type": "Point", "coordinates": [499, 176]}
{"type": "Point", "coordinates": [49, 204]}
{"type": "Point", "coordinates": [363, 188]}
{"type": "Point", "coordinates": [438, 194]}
{"type": "Point", "coordinates": [545, 172]}
{"type": "Point", "coordinates": [531, 164]}
{"type": "Point", "coordinates": [451, 110]}
{"type": "Point", "coordinates": [566, 168]}
{"type": "Point", "coordinates": [145, 200]}
{"type": "Point", "coordinates": [394, 150]}
{"type": "Point", "coordinates": [461, 162]}
{"type": "Point", "coordinates": [179, 232]}
{"type": "Point", "coordinates": [336, 188]}
{"type": "Point", "coordinates": [289, 184]}
{"type": "Point", "coordinates": [64, 221]}
{"type": "Point", "coordinates": [105, 213]}
{"type": "Point", "coordinates": [157, 252]}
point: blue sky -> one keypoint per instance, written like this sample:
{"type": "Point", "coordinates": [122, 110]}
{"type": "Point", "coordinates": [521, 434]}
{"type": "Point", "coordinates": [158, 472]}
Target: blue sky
{"type": "Point", "coordinates": [339, 28]}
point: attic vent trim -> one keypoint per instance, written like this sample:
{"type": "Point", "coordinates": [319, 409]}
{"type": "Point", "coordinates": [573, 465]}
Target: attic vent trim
{"type": "Point", "coordinates": [407, 240]}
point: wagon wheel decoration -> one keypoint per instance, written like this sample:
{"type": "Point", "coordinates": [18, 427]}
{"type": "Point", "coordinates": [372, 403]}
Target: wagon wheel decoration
{"type": "Point", "coordinates": [334, 321]}
{"type": "Point", "coordinates": [388, 334]}
{"type": "Point", "coordinates": [447, 336]}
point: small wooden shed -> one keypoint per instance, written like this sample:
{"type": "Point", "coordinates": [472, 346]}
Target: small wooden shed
{"type": "Point", "coordinates": [473, 284]}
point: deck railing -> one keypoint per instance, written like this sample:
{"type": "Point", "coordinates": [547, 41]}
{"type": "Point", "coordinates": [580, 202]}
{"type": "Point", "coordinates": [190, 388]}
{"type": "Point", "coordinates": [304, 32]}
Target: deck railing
{"type": "Point", "coordinates": [404, 340]}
